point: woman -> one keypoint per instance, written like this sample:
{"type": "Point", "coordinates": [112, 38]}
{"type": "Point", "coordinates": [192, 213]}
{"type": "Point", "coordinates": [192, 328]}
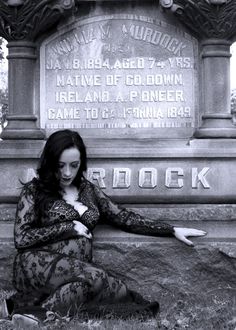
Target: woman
{"type": "Point", "coordinates": [55, 218]}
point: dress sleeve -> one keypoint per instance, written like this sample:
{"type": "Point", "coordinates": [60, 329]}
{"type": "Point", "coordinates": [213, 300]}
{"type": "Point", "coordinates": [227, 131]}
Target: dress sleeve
{"type": "Point", "coordinates": [27, 232]}
{"type": "Point", "coordinates": [128, 220]}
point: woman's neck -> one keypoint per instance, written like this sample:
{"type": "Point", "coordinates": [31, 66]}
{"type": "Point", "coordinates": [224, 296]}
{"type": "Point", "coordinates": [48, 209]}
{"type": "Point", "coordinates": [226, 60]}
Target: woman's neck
{"type": "Point", "coordinates": [70, 188]}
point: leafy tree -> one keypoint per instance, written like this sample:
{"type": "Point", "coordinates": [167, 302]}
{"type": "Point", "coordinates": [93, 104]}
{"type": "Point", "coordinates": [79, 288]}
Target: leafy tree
{"type": "Point", "coordinates": [1, 48]}
{"type": "Point", "coordinates": [233, 104]}
{"type": "Point", "coordinates": [3, 84]}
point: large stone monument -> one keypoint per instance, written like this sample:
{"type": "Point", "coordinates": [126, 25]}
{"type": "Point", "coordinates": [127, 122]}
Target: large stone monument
{"type": "Point", "coordinates": [146, 83]}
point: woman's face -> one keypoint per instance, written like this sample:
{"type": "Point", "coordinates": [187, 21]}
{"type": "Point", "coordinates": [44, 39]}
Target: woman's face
{"type": "Point", "coordinates": [69, 163]}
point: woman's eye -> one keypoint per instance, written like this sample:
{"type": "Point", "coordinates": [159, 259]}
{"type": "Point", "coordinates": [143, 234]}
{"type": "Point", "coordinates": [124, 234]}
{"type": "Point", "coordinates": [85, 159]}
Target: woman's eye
{"type": "Point", "coordinates": [75, 165]}
{"type": "Point", "coordinates": [60, 166]}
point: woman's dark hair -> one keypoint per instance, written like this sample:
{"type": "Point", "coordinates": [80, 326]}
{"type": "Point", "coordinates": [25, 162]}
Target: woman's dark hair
{"type": "Point", "coordinates": [48, 181]}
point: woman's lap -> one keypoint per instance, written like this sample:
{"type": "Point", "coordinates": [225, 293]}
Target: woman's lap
{"type": "Point", "coordinates": [61, 283]}
{"type": "Point", "coordinates": [41, 273]}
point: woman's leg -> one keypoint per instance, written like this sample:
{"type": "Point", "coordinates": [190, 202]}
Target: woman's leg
{"type": "Point", "coordinates": [60, 283]}
{"type": "Point", "coordinates": [74, 283]}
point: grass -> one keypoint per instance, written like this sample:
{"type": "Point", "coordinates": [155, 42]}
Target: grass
{"type": "Point", "coordinates": [93, 325]}
{"type": "Point", "coordinates": [188, 313]}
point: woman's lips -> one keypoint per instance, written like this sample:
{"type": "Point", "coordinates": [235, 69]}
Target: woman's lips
{"type": "Point", "coordinates": [65, 179]}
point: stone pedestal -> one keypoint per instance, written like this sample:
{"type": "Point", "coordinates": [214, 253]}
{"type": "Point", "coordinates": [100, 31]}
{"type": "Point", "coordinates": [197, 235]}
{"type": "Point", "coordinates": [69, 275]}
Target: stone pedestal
{"type": "Point", "coordinates": [22, 121]}
{"type": "Point", "coordinates": [21, 23]}
{"type": "Point", "coordinates": [217, 119]}
{"type": "Point", "coordinates": [213, 24]}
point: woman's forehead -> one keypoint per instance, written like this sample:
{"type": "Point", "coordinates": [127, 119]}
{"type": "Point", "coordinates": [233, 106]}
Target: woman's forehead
{"type": "Point", "coordinates": [70, 155]}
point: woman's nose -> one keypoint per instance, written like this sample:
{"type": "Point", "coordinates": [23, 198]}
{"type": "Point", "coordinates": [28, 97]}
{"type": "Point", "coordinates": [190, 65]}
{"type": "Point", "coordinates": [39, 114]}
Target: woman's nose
{"type": "Point", "coordinates": [67, 171]}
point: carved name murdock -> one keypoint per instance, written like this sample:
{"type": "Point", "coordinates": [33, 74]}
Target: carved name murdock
{"type": "Point", "coordinates": [136, 31]}
{"type": "Point", "coordinates": [148, 177]}
{"type": "Point", "coordinates": [174, 177]}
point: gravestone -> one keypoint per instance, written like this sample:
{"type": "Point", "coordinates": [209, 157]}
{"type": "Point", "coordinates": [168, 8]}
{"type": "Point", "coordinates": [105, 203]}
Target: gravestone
{"type": "Point", "coordinates": [134, 74]}
{"type": "Point", "coordinates": [146, 83]}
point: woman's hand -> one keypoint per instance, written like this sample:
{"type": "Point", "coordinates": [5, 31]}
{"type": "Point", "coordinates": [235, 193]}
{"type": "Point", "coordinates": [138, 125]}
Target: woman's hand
{"type": "Point", "coordinates": [81, 229]}
{"type": "Point", "coordinates": [182, 233]}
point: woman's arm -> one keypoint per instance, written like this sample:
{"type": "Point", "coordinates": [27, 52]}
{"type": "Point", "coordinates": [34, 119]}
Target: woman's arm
{"type": "Point", "coordinates": [27, 233]}
{"type": "Point", "coordinates": [129, 220]}
{"type": "Point", "coordinates": [135, 223]}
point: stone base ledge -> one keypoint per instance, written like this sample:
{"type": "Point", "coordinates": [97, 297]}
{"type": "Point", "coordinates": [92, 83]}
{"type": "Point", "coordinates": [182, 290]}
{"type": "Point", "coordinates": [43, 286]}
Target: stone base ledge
{"type": "Point", "coordinates": [167, 212]}
{"type": "Point", "coordinates": [217, 232]}
{"type": "Point", "coordinates": [141, 147]}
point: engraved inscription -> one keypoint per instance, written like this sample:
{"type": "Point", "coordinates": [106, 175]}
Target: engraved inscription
{"type": "Point", "coordinates": [97, 175]}
{"type": "Point", "coordinates": [122, 177]}
{"type": "Point", "coordinates": [174, 178]}
{"type": "Point", "coordinates": [126, 73]}
{"type": "Point", "coordinates": [199, 177]}
{"type": "Point", "coordinates": [148, 178]}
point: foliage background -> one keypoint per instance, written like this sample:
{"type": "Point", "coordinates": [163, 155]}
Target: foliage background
{"type": "Point", "coordinates": [3, 83]}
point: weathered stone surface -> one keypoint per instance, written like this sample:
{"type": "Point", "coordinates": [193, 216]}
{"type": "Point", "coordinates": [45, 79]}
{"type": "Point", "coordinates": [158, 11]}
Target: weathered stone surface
{"type": "Point", "coordinates": [196, 287]}
{"type": "Point", "coordinates": [7, 252]}
{"type": "Point", "coordinates": [7, 212]}
{"type": "Point", "coordinates": [175, 212]}
{"type": "Point", "coordinates": [190, 212]}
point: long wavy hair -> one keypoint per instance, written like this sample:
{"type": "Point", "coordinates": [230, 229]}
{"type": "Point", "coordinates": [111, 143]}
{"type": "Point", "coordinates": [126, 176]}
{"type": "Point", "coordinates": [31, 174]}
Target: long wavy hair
{"type": "Point", "coordinates": [48, 169]}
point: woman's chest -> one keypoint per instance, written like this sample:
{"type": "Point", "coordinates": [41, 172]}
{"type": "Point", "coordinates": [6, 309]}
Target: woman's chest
{"type": "Point", "coordinates": [61, 211]}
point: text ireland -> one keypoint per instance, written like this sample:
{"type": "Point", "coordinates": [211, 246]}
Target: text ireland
{"type": "Point", "coordinates": [77, 97]}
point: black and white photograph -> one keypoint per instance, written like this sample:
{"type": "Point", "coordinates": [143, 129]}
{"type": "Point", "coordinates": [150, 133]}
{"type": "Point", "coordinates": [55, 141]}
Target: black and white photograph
{"type": "Point", "coordinates": [118, 164]}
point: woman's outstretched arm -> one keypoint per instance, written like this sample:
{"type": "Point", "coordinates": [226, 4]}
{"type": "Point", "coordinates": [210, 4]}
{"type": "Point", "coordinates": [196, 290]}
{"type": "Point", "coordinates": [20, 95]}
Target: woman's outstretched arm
{"type": "Point", "coordinates": [133, 222]}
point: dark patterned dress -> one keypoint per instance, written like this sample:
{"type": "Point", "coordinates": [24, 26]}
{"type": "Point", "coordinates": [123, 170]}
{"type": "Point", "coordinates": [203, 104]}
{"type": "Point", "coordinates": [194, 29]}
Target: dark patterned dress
{"type": "Point", "coordinates": [53, 267]}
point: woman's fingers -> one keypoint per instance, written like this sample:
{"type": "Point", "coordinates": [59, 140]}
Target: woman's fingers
{"type": "Point", "coordinates": [87, 234]}
{"type": "Point", "coordinates": [192, 232]}
{"type": "Point", "coordinates": [186, 241]}
{"type": "Point", "coordinates": [81, 229]}
{"type": "Point", "coordinates": [197, 232]}
{"type": "Point", "coordinates": [182, 234]}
